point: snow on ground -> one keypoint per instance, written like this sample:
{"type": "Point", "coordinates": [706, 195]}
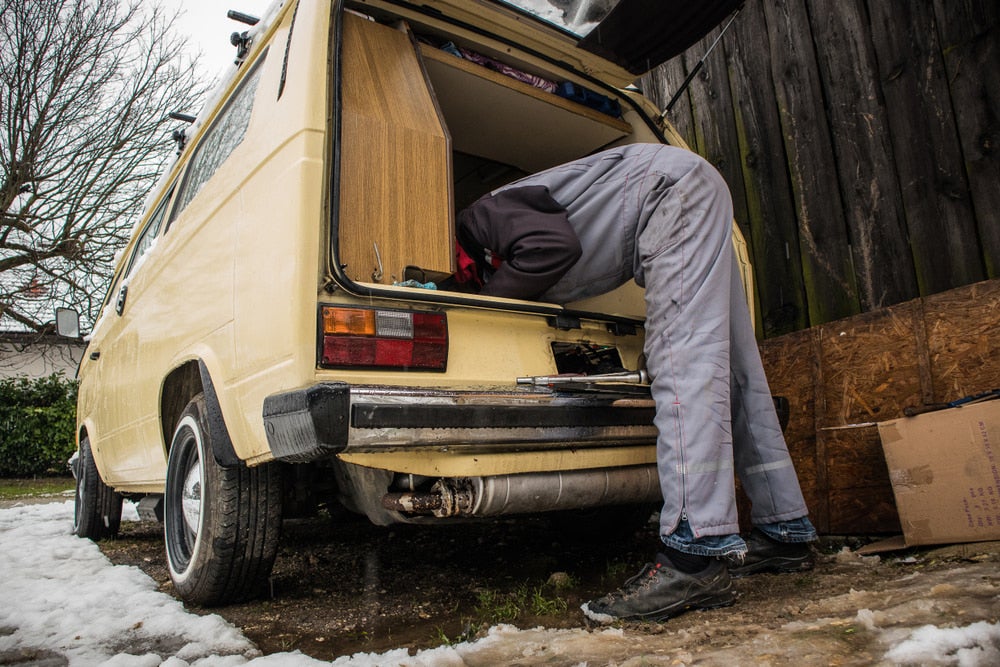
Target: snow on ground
{"type": "Point", "coordinates": [63, 603]}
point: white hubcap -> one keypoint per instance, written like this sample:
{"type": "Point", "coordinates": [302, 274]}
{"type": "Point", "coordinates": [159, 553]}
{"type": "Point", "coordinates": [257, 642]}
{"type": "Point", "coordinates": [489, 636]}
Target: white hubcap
{"type": "Point", "coordinates": [191, 498]}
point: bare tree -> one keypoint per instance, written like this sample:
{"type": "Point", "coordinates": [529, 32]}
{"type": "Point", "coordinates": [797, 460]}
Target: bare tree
{"type": "Point", "coordinates": [85, 89]}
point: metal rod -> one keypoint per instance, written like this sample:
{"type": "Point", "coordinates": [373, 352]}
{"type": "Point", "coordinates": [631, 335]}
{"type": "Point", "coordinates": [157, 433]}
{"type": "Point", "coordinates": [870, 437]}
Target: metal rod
{"type": "Point", "coordinates": [697, 67]}
{"type": "Point", "coordinates": [242, 18]}
{"type": "Point", "coordinates": [628, 377]}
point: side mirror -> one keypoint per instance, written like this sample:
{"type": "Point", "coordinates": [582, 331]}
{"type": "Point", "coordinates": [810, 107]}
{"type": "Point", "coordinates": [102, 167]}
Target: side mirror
{"type": "Point", "coordinates": [67, 323]}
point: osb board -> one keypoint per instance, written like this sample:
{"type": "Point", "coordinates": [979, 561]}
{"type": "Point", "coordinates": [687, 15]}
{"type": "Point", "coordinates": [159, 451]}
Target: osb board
{"type": "Point", "coordinates": [866, 510]}
{"type": "Point", "coordinates": [867, 369]}
{"type": "Point", "coordinates": [962, 339]}
{"type": "Point", "coordinates": [790, 362]}
{"type": "Point", "coordinates": [854, 458]}
{"type": "Point", "coordinates": [870, 366]}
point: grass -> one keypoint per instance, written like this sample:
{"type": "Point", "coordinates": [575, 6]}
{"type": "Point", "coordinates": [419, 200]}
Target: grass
{"type": "Point", "coordinates": [618, 570]}
{"type": "Point", "coordinates": [504, 607]}
{"type": "Point", "coordinates": [11, 489]}
{"type": "Point", "coordinates": [495, 606]}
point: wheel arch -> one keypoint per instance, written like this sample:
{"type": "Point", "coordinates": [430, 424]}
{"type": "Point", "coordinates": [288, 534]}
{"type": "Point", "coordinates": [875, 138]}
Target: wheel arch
{"type": "Point", "coordinates": [179, 387]}
{"type": "Point", "coordinates": [85, 431]}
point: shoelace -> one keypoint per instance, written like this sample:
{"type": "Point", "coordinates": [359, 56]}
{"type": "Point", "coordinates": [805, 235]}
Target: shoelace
{"type": "Point", "coordinates": [644, 578]}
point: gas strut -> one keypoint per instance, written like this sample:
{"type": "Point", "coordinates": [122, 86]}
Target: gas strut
{"type": "Point", "coordinates": [699, 65]}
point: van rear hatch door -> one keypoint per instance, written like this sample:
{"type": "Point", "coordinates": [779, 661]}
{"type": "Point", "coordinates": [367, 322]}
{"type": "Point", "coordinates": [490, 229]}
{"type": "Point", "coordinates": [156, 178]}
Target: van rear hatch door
{"type": "Point", "coordinates": [638, 35]}
{"type": "Point", "coordinates": [631, 37]}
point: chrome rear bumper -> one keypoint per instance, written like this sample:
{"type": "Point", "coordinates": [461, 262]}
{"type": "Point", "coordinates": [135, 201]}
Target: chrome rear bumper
{"type": "Point", "coordinates": [331, 418]}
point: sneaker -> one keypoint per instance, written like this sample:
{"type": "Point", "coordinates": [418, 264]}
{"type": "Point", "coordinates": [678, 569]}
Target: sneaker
{"type": "Point", "coordinates": [767, 555]}
{"type": "Point", "coordinates": [660, 591]}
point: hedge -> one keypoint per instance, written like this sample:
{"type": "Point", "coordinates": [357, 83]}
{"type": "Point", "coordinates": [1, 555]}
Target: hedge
{"type": "Point", "coordinates": [37, 425]}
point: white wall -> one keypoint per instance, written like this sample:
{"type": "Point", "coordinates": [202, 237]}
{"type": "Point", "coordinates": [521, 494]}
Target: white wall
{"type": "Point", "coordinates": [38, 356]}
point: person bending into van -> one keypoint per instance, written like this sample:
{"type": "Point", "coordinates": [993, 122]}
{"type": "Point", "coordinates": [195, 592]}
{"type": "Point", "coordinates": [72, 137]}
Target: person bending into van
{"type": "Point", "coordinates": [663, 216]}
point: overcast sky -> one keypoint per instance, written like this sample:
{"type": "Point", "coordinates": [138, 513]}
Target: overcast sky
{"type": "Point", "coordinates": [206, 23]}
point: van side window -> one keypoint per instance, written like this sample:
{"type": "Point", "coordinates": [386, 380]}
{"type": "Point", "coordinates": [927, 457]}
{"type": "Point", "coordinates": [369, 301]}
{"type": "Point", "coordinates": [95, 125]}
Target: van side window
{"type": "Point", "coordinates": [148, 235]}
{"type": "Point", "coordinates": [220, 139]}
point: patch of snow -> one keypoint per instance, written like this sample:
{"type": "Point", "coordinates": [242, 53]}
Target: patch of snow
{"type": "Point", "coordinates": [62, 595]}
{"type": "Point", "coordinates": [595, 616]}
{"type": "Point", "coordinates": [969, 646]}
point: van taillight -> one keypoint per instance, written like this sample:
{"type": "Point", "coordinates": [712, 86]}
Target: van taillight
{"type": "Point", "coordinates": [364, 337]}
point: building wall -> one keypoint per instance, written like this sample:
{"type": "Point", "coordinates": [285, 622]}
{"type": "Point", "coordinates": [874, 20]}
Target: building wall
{"type": "Point", "coordinates": [35, 355]}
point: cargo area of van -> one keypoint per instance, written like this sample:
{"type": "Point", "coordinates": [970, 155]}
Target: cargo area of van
{"type": "Point", "coordinates": [443, 115]}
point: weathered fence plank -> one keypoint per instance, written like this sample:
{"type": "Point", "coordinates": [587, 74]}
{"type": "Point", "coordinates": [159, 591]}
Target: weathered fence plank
{"type": "Point", "coordinates": [660, 86]}
{"type": "Point", "coordinates": [826, 260]}
{"type": "Point", "coordinates": [925, 141]}
{"type": "Point", "coordinates": [774, 235]}
{"type": "Point", "coordinates": [969, 41]}
{"type": "Point", "coordinates": [872, 203]}
{"type": "Point", "coordinates": [716, 131]}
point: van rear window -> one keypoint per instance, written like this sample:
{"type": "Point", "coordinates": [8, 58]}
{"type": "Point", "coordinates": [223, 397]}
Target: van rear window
{"type": "Point", "coordinates": [225, 134]}
{"type": "Point", "coordinates": [576, 16]}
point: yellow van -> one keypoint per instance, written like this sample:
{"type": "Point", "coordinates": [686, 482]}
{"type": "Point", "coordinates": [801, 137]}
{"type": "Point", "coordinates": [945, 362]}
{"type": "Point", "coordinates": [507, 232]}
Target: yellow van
{"type": "Point", "coordinates": [283, 330]}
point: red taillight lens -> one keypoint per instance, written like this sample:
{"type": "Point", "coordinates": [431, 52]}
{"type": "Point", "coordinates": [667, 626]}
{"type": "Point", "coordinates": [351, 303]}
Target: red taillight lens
{"type": "Point", "coordinates": [363, 337]}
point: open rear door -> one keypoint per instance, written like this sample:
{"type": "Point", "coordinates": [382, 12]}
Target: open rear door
{"type": "Point", "coordinates": [638, 35]}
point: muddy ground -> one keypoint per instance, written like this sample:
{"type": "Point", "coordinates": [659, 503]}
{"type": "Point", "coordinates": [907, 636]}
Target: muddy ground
{"type": "Point", "coordinates": [342, 586]}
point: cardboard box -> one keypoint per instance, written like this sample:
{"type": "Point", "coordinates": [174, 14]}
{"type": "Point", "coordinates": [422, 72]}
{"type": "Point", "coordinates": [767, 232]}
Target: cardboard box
{"type": "Point", "coordinates": [945, 472]}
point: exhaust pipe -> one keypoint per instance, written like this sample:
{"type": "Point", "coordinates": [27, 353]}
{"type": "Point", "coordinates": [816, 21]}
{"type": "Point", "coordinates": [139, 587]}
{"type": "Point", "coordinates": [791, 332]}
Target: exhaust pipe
{"type": "Point", "coordinates": [530, 492]}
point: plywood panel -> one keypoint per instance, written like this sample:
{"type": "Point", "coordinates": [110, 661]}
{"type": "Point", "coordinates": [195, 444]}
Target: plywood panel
{"type": "Point", "coordinates": [536, 129]}
{"type": "Point", "coordinates": [962, 340]}
{"type": "Point", "coordinates": [854, 458]}
{"type": "Point", "coordinates": [395, 158]}
{"type": "Point", "coordinates": [871, 366]}
{"type": "Point", "coordinates": [863, 511]}
{"type": "Point", "coordinates": [791, 365]}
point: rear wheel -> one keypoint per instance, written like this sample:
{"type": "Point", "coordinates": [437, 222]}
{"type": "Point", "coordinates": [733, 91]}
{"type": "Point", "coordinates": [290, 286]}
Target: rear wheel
{"type": "Point", "coordinates": [221, 525]}
{"type": "Point", "coordinates": [97, 510]}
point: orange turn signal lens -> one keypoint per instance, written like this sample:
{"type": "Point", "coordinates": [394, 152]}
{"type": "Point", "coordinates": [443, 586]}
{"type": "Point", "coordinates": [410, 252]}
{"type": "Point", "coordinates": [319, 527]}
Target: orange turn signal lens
{"type": "Point", "coordinates": [352, 321]}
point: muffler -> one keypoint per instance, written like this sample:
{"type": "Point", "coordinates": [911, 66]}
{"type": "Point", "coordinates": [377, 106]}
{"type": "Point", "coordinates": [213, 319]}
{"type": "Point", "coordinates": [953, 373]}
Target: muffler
{"type": "Point", "coordinates": [528, 493]}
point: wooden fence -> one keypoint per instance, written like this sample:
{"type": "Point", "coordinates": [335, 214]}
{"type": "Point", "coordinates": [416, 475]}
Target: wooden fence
{"type": "Point", "coordinates": [861, 141]}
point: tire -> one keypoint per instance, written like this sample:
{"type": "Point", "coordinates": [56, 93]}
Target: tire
{"type": "Point", "coordinates": [221, 525]}
{"type": "Point", "coordinates": [97, 509]}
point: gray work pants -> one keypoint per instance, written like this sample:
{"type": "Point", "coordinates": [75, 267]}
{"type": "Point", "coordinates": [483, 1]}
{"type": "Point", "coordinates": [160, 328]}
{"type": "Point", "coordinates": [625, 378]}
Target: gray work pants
{"type": "Point", "coordinates": [663, 216]}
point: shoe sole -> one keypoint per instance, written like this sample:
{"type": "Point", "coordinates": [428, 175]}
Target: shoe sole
{"type": "Point", "coordinates": [777, 565]}
{"type": "Point", "coordinates": [677, 610]}
{"type": "Point", "coordinates": [714, 601]}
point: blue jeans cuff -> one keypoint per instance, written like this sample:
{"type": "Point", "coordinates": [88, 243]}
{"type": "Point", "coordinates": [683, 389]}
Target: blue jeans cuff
{"type": "Point", "coordinates": [795, 530]}
{"type": "Point", "coordinates": [683, 539]}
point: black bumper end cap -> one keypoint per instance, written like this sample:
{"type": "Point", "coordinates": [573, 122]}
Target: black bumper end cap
{"type": "Point", "coordinates": [308, 424]}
